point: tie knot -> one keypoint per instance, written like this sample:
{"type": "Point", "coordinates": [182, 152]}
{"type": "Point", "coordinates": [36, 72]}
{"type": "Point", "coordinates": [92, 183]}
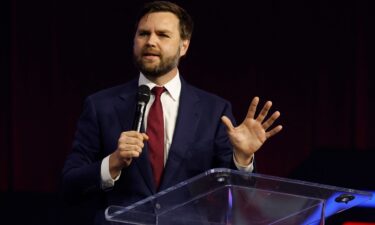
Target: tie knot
{"type": "Point", "coordinates": [157, 91]}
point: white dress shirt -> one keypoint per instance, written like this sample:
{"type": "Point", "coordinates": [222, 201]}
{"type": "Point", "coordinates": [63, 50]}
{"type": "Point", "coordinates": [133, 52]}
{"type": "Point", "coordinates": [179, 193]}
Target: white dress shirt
{"type": "Point", "coordinates": [170, 100]}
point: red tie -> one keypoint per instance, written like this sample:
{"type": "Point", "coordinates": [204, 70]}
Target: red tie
{"type": "Point", "coordinates": [155, 132]}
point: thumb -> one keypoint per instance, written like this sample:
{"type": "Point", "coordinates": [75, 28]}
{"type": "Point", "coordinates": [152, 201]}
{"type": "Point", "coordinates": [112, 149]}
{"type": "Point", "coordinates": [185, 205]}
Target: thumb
{"type": "Point", "coordinates": [226, 121]}
{"type": "Point", "coordinates": [145, 137]}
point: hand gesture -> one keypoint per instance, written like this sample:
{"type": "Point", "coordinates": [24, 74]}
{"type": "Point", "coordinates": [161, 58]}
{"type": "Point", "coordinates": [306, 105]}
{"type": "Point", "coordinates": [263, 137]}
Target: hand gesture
{"type": "Point", "coordinates": [250, 135]}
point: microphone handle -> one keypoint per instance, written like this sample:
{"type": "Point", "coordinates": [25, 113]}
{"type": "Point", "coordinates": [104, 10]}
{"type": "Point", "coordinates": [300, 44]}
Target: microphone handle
{"type": "Point", "coordinates": [139, 115]}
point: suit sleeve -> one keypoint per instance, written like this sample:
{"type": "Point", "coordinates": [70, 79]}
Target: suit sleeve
{"type": "Point", "coordinates": [81, 172]}
{"type": "Point", "coordinates": [223, 147]}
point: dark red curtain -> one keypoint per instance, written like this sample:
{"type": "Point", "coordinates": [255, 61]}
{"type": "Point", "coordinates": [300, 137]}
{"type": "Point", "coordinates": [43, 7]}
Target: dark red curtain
{"type": "Point", "coordinates": [314, 59]}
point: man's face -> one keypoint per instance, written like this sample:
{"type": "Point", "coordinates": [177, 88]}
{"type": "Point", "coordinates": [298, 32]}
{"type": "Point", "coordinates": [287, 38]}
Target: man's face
{"type": "Point", "coordinates": [157, 44]}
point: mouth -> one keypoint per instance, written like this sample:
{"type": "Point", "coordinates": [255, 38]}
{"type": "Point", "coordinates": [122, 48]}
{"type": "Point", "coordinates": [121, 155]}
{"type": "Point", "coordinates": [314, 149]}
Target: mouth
{"type": "Point", "coordinates": [147, 53]}
{"type": "Point", "coordinates": [150, 55]}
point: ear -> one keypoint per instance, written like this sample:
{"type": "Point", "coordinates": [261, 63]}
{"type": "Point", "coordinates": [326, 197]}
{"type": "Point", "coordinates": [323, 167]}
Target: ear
{"type": "Point", "coordinates": [184, 47]}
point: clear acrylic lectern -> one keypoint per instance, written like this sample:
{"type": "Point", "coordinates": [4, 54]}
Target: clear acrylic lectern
{"type": "Point", "coordinates": [224, 196]}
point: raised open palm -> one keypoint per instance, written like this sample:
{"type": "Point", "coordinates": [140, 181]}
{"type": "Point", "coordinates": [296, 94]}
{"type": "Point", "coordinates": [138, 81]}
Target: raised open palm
{"type": "Point", "coordinates": [250, 135]}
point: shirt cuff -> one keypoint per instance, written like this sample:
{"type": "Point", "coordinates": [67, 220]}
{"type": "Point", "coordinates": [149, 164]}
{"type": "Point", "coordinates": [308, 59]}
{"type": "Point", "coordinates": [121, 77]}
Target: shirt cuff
{"type": "Point", "coordinates": [107, 181]}
{"type": "Point", "coordinates": [245, 168]}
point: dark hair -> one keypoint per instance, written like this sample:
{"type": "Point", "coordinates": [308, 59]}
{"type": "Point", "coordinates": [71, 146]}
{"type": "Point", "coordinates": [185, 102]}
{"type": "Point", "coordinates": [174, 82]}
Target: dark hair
{"type": "Point", "coordinates": [186, 23]}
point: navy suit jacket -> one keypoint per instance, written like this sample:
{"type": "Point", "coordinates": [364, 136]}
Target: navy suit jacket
{"type": "Point", "coordinates": [200, 142]}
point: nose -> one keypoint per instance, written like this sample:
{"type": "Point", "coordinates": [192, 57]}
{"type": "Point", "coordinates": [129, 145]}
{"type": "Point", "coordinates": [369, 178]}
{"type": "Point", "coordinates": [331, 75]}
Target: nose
{"type": "Point", "coordinates": [152, 40]}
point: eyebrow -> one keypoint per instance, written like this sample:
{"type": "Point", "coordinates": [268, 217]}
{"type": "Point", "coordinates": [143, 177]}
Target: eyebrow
{"type": "Point", "coordinates": [157, 31]}
{"type": "Point", "coordinates": [164, 32]}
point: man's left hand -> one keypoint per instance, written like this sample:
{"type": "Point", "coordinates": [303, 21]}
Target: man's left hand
{"type": "Point", "coordinates": [250, 135]}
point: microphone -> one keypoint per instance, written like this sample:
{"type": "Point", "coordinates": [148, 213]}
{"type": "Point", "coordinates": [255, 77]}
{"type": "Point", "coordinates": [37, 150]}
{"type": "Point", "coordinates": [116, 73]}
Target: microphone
{"type": "Point", "coordinates": [143, 98]}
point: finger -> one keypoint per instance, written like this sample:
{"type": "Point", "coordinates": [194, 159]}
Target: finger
{"type": "Point", "coordinates": [132, 137]}
{"type": "Point", "coordinates": [263, 113]}
{"type": "Point", "coordinates": [271, 120]}
{"type": "Point", "coordinates": [145, 136]}
{"type": "Point", "coordinates": [128, 148]}
{"type": "Point", "coordinates": [126, 140]}
{"type": "Point", "coordinates": [228, 124]}
{"type": "Point", "coordinates": [133, 134]}
{"type": "Point", "coordinates": [252, 108]}
{"type": "Point", "coordinates": [131, 141]}
{"type": "Point", "coordinates": [126, 155]}
{"type": "Point", "coordinates": [274, 131]}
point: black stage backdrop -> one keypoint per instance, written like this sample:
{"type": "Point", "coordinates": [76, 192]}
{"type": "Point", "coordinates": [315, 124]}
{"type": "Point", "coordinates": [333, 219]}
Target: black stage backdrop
{"type": "Point", "coordinates": [313, 59]}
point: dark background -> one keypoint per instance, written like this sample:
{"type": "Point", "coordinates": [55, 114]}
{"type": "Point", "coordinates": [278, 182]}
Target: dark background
{"type": "Point", "coordinates": [313, 59]}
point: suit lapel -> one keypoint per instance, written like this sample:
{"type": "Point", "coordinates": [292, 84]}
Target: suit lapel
{"type": "Point", "coordinates": [125, 108]}
{"type": "Point", "coordinates": [125, 105]}
{"type": "Point", "coordinates": [186, 125]}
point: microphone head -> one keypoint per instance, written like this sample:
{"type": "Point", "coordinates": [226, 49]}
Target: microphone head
{"type": "Point", "coordinates": [144, 94]}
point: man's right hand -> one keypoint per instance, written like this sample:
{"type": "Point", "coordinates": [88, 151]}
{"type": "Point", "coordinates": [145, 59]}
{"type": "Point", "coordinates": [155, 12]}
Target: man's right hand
{"type": "Point", "coordinates": [129, 146]}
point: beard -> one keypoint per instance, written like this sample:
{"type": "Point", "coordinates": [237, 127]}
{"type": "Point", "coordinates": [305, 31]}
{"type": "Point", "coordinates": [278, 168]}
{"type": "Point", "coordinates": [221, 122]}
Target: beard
{"type": "Point", "coordinates": [165, 65]}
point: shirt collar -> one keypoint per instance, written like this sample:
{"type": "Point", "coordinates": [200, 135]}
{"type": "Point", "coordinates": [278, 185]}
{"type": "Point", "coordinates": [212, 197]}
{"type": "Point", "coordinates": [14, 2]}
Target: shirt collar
{"type": "Point", "coordinates": [173, 86]}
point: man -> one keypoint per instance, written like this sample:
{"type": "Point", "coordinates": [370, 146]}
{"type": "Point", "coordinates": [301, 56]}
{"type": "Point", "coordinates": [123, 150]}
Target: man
{"type": "Point", "coordinates": [117, 165]}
